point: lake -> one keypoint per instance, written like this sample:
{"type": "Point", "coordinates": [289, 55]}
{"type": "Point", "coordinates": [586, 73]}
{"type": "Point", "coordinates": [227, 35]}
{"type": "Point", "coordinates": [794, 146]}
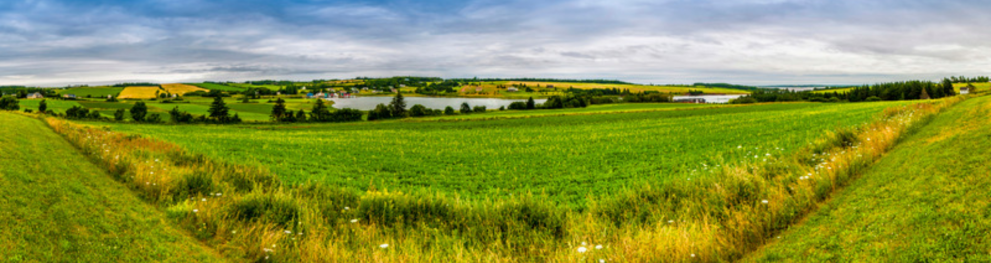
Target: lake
{"type": "Point", "coordinates": [711, 98]}
{"type": "Point", "coordinates": [368, 103]}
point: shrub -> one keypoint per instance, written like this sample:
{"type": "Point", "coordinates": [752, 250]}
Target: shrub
{"type": "Point", "coordinates": [872, 99]}
{"type": "Point", "coordinates": [270, 208]}
{"type": "Point", "coordinates": [517, 105]}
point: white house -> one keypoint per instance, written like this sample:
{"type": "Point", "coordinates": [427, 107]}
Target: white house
{"type": "Point", "coordinates": [512, 89]}
{"type": "Point", "coordinates": [964, 90]}
{"type": "Point", "coordinates": [36, 95]}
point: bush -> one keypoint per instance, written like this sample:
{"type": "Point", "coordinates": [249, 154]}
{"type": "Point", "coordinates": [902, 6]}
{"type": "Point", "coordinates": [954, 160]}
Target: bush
{"type": "Point", "coordinates": [449, 110]}
{"type": "Point", "coordinates": [479, 109]}
{"type": "Point", "coordinates": [418, 111]}
{"type": "Point", "coordinates": [743, 100]}
{"type": "Point", "coordinates": [871, 99]}
{"type": "Point", "coordinates": [9, 103]}
{"type": "Point", "coordinates": [517, 105]}
{"type": "Point", "coordinates": [275, 209]}
{"type": "Point", "coordinates": [345, 115]}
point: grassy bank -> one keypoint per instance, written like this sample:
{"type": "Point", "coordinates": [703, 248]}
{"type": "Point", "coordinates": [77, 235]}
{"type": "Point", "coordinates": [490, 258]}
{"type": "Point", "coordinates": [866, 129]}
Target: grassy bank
{"type": "Point", "coordinates": [927, 201]}
{"type": "Point", "coordinates": [56, 206]}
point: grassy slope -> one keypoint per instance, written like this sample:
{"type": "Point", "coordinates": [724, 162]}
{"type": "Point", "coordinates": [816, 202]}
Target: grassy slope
{"type": "Point", "coordinates": [96, 92]}
{"type": "Point", "coordinates": [53, 105]}
{"type": "Point", "coordinates": [57, 206]}
{"type": "Point", "coordinates": [928, 200]}
{"type": "Point", "coordinates": [214, 86]}
{"type": "Point", "coordinates": [593, 109]}
{"type": "Point", "coordinates": [569, 156]}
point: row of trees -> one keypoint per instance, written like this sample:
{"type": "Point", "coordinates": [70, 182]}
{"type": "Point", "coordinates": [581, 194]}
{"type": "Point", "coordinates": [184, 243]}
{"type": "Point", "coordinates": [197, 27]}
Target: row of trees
{"type": "Point", "coordinates": [962, 79]}
{"type": "Point", "coordinates": [319, 113]}
{"type": "Point", "coordinates": [907, 90]}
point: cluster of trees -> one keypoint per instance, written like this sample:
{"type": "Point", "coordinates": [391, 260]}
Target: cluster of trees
{"type": "Point", "coordinates": [962, 79]}
{"type": "Point", "coordinates": [519, 105]}
{"type": "Point", "coordinates": [570, 101]}
{"type": "Point", "coordinates": [596, 92]}
{"type": "Point", "coordinates": [132, 84]}
{"type": "Point", "coordinates": [319, 113]}
{"type": "Point", "coordinates": [9, 103]}
{"type": "Point", "coordinates": [446, 86]}
{"type": "Point", "coordinates": [597, 81]}
{"type": "Point", "coordinates": [648, 97]}
{"type": "Point", "coordinates": [21, 92]}
{"type": "Point", "coordinates": [907, 90]}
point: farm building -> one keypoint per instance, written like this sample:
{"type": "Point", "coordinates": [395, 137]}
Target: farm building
{"type": "Point", "coordinates": [36, 95]}
{"type": "Point", "coordinates": [964, 90]}
{"type": "Point", "coordinates": [512, 89]}
{"type": "Point", "coordinates": [69, 96]}
{"type": "Point", "coordinates": [690, 100]}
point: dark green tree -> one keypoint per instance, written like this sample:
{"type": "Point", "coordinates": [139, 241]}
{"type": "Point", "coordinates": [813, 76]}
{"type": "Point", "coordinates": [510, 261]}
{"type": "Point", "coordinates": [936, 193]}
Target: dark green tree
{"type": "Point", "coordinates": [418, 111]}
{"type": "Point", "coordinates": [319, 113]}
{"type": "Point", "coordinates": [380, 112]}
{"type": "Point", "coordinates": [300, 116]}
{"type": "Point", "coordinates": [398, 106]}
{"type": "Point", "coordinates": [138, 111]}
{"type": "Point", "coordinates": [465, 108]}
{"type": "Point", "coordinates": [449, 110]}
{"type": "Point", "coordinates": [219, 111]}
{"type": "Point", "coordinates": [279, 111]}
{"type": "Point", "coordinates": [9, 103]}
{"type": "Point", "coordinates": [530, 104]}
{"type": "Point", "coordinates": [42, 106]}
{"type": "Point", "coordinates": [119, 115]}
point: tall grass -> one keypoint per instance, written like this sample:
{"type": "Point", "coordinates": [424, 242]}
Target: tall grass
{"type": "Point", "coordinates": [248, 214]}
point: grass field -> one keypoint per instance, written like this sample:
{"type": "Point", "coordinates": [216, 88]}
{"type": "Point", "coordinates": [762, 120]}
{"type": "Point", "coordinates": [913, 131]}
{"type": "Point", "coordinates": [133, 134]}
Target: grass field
{"type": "Point", "coordinates": [181, 89]}
{"type": "Point", "coordinates": [95, 92]}
{"type": "Point", "coordinates": [839, 90]}
{"type": "Point", "coordinates": [632, 87]}
{"type": "Point", "coordinates": [58, 207]}
{"type": "Point", "coordinates": [569, 156]}
{"type": "Point", "coordinates": [592, 109]}
{"type": "Point", "coordinates": [139, 93]}
{"type": "Point", "coordinates": [53, 105]}
{"type": "Point", "coordinates": [927, 201]}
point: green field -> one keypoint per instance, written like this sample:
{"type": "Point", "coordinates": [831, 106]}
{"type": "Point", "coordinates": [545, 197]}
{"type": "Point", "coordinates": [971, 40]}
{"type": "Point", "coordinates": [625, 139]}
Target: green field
{"type": "Point", "coordinates": [567, 157]}
{"type": "Point", "coordinates": [56, 206]}
{"type": "Point", "coordinates": [838, 90]}
{"type": "Point", "coordinates": [95, 92]}
{"type": "Point", "coordinates": [53, 105]}
{"type": "Point", "coordinates": [215, 86]}
{"type": "Point", "coordinates": [591, 109]}
{"type": "Point", "coordinates": [927, 201]}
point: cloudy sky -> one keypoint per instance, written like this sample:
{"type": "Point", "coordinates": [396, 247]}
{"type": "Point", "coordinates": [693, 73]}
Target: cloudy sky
{"type": "Point", "coordinates": [759, 42]}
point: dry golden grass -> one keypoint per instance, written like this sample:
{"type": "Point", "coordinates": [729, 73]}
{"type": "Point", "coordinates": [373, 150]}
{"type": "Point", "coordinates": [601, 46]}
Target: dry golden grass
{"type": "Point", "coordinates": [139, 93]}
{"type": "Point", "coordinates": [181, 89]}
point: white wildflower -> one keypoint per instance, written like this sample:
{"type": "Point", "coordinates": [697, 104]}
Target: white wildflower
{"type": "Point", "coordinates": [582, 249]}
{"type": "Point", "coordinates": [598, 246]}
{"type": "Point", "coordinates": [764, 201]}
{"type": "Point", "coordinates": [384, 246]}
{"type": "Point", "coordinates": [354, 221]}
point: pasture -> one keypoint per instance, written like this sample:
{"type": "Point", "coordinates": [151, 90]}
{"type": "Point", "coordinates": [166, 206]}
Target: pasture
{"type": "Point", "coordinates": [139, 93]}
{"type": "Point", "coordinates": [216, 86]}
{"type": "Point", "coordinates": [567, 157]}
{"type": "Point", "coordinates": [94, 92]}
{"type": "Point", "coordinates": [59, 207]}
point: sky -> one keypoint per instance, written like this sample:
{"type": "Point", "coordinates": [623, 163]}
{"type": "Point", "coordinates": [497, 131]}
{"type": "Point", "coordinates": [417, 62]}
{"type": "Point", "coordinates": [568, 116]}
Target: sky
{"type": "Point", "coordinates": [754, 42]}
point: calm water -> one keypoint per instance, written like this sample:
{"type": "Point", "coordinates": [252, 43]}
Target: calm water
{"type": "Point", "coordinates": [368, 103]}
{"type": "Point", "coordinates": [711, 98]}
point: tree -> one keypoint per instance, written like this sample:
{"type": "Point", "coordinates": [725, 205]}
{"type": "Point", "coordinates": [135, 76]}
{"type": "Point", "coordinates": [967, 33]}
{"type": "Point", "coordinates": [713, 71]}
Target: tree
{"type": "Point", "coordinates": [180, 116]}
{"type": "Point", "coordinates": [924, 95]}
{"type": "Point", "coordinates": [9, 103]}
{"type": "Point", "coordinates": [479, 109]}
{"type": "Point", "coordinates": [449, 110]}
{"type": "Point", "coordinates": [300, 116]}
{"type": "Point", "coordinates": [319, 113]}
{"type": "Point", "coordinates": [236, 119]}
{"type": "Point", "coordinates": [530, 104]}
{"type": "Point", "coordinates": [154, 118]}
{"type": "Point", "coordinates": [279, 111]}
{"type": "Point", "coordinates": [380, 112]}
{"type": "Point", "coordinates": [517, 105]}
{"type": "Point", "coordinates": [418, 111]}
{"type": "Point", "coordinates": [138, 111]}
{"type": "Point", "coordinates": [398, 106]}
{"type": "Point", "coordinates": [42, 106]}
{"type": "Point", "coordinates": [346, 114]}
{"type": "Point", "coordinates": [465, 108]}
{"type": "Point", "coordinates": [119, 115]}
{"type": "Point", "coordinates": [219, 110]}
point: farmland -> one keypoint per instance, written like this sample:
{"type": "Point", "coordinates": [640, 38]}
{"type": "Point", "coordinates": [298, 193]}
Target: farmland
{"type": "Point", "coordinates": [926, 201]}
{"type": "Point", "coordinates": [139, 93]}
{"type": "Point", "coordinates": [571, 156]}
{"type": "Point", "coordinates": [59, 207]}
{"type": "Point", "coordinates": [215, 86]}
{"type": "Point", "coordinates": [95, 92]}
{"type": "Point", "coordinates": [180, 89]}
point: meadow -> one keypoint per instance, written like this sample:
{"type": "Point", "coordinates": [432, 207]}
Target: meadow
{"type": "Point", "coordinates": [215, 86]}
{"type": "Point", "coordinates": [59, 207]}
{"type": "Point", "coordinates": [95, 92]}
{"type": "Point", "coordinates": [570, 158]}
{"type": "Point", "coordinates": [927, 201]}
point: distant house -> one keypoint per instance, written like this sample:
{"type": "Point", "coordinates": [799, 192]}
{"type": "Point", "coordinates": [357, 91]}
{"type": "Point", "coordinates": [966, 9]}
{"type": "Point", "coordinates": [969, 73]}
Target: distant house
{"type": "Point", "coordinates": [550, 86]}
{"type": "Point", "coordinates": [402, 85]}
{"type": "Point", "coordinates": [512, 89]}
{"type": "Point", "coordinates": [478, 89]}
{"type": "Point", "coordinates": [69, 96]}
{"type": "Point", "coordinates": [320, 95]}
{"type": "Point", "coordinates": [309, 95]}
{"type": "Point", "coordinates": [36, 95]}
{"type": "Point", "coordinates": [964, 90]}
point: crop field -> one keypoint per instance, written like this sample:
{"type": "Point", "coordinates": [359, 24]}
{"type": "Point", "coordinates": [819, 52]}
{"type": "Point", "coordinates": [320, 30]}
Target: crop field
{"type": "Point", "coordinates": [840, 90]}
{"type": "Point", "coordinates": [632, 87]}
{"type": "Point", "coordinates": [95, 92]}
{"type": "Point", "coordinates": [178, 88]}
{"type": "Point", "coordinates": [927, 201]}
{"type": "Point", "coordinates": [567, 157]}
{"type": "Point", "coordinates": [59, 207]}
{"type": "Point", "coordinates": [139, 93]}
{"type": "Point", "coordinates": [982, 86]}
{"type": "Point", "coordinates": [215, 86]}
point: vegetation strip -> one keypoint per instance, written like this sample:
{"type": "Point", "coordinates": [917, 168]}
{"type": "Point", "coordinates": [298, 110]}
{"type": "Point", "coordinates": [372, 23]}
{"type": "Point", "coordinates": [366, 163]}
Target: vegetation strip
{"type": "Point", "coordinates": [56, 206]}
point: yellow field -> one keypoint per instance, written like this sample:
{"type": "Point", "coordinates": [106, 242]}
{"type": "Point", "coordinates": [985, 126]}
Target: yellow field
{"type": "Point", "coordinates": [139, 93]}
{"type": "Point", "coordinates": [181, 89]}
